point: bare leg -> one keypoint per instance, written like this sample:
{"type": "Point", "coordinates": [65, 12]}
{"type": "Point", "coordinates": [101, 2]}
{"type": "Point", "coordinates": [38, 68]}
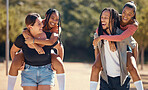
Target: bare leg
{"type": "Point", "coordinates": [57, 64]}
{"type": "Point", "coordinates": [13, 72]}
{"type": "Point", "coordinates": [30, 88]}
{"type": "Point", "coordinates": [16, 64]}
{"type": "Point", "coordinates": [45, 87]}
{"type": "Point", "coordinates": [132, 68]}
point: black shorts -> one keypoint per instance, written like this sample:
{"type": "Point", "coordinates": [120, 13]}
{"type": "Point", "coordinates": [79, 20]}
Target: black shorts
{"type": "Point", "coordinates": [114, 84]}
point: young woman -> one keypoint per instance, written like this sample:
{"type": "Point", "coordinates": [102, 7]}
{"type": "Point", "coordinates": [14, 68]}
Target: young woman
{"type": "Point", "coordinates": [52, 17]}
{"type": "Point", "coordinates": [128, 20]}
{"type": "Point", "coordinates": [128, 24]}
{"type": "Point", "coordinates": [37, 74]}
{"type": "Point", "coordinates": [52, 24]}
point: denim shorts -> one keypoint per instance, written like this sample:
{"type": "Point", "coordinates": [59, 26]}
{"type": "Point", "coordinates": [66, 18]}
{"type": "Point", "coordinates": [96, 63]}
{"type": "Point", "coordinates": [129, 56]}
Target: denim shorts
{"type": "Point", "coordinates": [37, 75]}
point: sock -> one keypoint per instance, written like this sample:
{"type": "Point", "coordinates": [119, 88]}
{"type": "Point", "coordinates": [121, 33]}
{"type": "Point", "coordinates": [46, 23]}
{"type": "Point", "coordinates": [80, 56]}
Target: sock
{"type": "Point", "coordinates": [139, 85]}
{"type": "Point", "coordinates": [61, 81]}
{"type": "Point", "coordinates": [11, 82]}
{"type": "Point", "coordinates": [93, 85]}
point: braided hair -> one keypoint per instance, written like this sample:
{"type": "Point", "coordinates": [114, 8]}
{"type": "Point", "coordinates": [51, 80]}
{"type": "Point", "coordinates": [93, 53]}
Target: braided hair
{"type": "Point", "coordinates": [113, 21]}
{"type": "Point", "coordinates": [48, 14]}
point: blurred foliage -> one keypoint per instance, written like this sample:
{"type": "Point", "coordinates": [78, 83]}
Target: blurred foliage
{"type": "Point", "coordinates": [142, 33]}
{"type": "Point", "coordinates": [79, 21]}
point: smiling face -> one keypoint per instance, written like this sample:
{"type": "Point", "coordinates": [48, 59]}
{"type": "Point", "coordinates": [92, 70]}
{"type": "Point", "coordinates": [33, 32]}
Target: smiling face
{"type": "Point", "coordinates": [127, 14]}
{"type": "Point", "coordinates": [54, 19]}
{"type": "Point", "coordinates": [37, 27]}
{"type": "Point", "coordinates": [105, 19]}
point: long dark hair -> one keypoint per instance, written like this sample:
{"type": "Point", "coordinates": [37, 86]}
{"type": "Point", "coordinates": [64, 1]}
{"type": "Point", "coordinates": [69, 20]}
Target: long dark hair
{"type": "Point", "coordinates": [113, 21]}
{"type": "Point", "coordinates": [48, 14]}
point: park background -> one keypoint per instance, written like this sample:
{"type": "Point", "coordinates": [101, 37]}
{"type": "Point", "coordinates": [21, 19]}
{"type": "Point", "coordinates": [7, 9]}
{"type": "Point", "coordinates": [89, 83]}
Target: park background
{"type": "Point", "coordinates": [79, 18]}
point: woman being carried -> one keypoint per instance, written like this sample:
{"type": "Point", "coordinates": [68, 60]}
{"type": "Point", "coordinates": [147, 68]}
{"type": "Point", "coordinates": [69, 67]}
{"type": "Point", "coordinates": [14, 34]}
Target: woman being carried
{"type": "Point", "coordinates": [128, 20]}
{"type": "Point", "coordinates": [36, 65]}
{"type": "Point", "coordinates": [57, 59]}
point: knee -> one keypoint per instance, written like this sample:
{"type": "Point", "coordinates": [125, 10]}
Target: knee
{"type": "Point", "coordinates": [57, 62]}
{"type": "Point", "coordinates": [55, 59]}
{"type": "Point", "coordinates": [131, 63]}
{"type": "Point", "coordinates": [131, 68]}
{"type": "Point", "coordinates": [129, 54]}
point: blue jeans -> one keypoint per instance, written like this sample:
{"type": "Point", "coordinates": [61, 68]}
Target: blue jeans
{"type": "Point", "coordinates": [114, 84]}
{"type": "Point", "coordinates": [37, 75]}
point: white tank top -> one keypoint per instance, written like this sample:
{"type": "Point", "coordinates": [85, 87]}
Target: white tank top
{"type": "Point", "coordinates": [112, 61]}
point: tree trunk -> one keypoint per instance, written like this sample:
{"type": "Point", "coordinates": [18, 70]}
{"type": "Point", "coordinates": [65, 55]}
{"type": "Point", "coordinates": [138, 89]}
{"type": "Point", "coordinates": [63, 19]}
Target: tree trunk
{"type": "Point", "coordinates": [142, 57]}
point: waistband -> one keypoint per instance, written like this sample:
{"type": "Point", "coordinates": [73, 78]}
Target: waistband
{"type": "Point", "coordinates": [28, 66]}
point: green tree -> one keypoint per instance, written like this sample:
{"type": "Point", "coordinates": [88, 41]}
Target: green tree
{"type": "Point", "coordinates": [79, 18]}
{"type": "Point", "coordinates": [142, 33]}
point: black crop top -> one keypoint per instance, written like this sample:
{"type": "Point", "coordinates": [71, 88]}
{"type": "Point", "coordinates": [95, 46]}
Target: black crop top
{"type": "Point", "coordinates": [31, 55]}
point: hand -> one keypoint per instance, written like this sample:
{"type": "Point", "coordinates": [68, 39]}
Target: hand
{"type": "Point", "coordinates": [52, 67]}
{"type": "Point", "coordinates": [54, 30]}
{"type": "Point", "coordinates": [27, 34]}
{"type": "Point", "coordinates": [22, 67]}
{"type": "Point", "coordinates": [29, 40]}
{"type": "Point", "coordinates": [96, 40]}
{"type": "Point", "coordinates": [40, 50]}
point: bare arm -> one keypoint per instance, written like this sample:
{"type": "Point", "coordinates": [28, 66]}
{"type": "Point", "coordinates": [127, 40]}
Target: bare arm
{"type": "Point", "coordinates": [51, 41]}
{"type": "Point", "coordinates": [128, 32]}
{"type": "Point", "coordinates": [96, 52]}
{"type": "Point", "coordinates": [95, 44]}
{"type": "Point", "coordinates": [13, 51]}
{"type": "Point", "coordinates": [97, 67]}
{"type": "Point", "coordinates": [27, 35]}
